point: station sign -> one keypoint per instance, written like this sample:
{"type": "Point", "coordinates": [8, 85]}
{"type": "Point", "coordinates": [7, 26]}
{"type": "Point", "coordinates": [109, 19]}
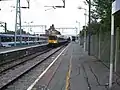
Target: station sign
{"type": "Point", "coordinates": [115, 6]}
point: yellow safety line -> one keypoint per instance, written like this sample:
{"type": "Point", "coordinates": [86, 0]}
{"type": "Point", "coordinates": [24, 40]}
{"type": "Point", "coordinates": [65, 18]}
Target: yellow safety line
{"type": "Point", "coordinates": [67, 87]}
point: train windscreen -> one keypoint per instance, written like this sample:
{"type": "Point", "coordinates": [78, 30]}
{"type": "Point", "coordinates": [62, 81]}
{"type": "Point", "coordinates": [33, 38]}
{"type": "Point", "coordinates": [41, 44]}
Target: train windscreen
{"type": "Point", "coordinates": [52, 37]}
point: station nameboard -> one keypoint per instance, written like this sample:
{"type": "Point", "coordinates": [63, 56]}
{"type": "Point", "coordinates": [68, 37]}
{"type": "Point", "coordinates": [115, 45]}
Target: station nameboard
{"type": "Point", "coordinates": [115, 6]}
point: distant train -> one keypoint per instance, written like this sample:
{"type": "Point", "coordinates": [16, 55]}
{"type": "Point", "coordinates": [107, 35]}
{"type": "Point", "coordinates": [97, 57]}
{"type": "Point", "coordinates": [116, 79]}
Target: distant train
{"type": "Point", "coordinates": [55, 40]}
{"type": "Point", "coordinates": [8, 40]}
{"type": "Point", "coordinates": [73, 38]}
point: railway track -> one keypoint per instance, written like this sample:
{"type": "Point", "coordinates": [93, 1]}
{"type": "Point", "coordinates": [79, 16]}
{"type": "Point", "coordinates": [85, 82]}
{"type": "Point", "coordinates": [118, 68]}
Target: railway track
{"type": "Point", "coordinates": [21, 57]}
{"type": "Point", "coordinates": [12, 64]}
{"type": "Point", "coordinates": [8, 77]}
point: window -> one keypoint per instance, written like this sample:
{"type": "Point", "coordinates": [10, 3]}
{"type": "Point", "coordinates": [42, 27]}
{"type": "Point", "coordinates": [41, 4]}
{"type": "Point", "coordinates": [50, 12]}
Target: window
{"type": "Point", "coordinates": [52, 37]}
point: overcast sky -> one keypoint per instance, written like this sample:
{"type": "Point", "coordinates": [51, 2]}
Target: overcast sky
{"type": "Point", "coordinates": [60, 17]}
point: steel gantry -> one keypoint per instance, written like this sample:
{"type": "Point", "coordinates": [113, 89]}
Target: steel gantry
{"type": "Point", "coordinates": [63, 28]}
{"type": "Point", "coordinates": [18, 19]}
{"type": "Point", "coordinates": [34, 26]}
{"type": "Point", "coordinates": [42, 26]}
{"type": "Point", "coordinates": [54, 7]}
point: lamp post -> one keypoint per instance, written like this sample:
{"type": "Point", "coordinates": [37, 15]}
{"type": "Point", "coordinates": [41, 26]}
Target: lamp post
{"type": "Point", "coordinates": [89, 28]}
{"type": "Point", "coordinates": [79, 29]}
{"type": "Point", "coordinates": [28, 23]}
{"type": "Point", "coordinates": [84, 13]}
{"type": "Point", "coordinates": [89, 31]}
{"type": "Point", "coordinates": [85, 27]}
{"type": "Point", "coordinates": [78, 24]}
{"type": "Point", "coordinates": [76, 31]}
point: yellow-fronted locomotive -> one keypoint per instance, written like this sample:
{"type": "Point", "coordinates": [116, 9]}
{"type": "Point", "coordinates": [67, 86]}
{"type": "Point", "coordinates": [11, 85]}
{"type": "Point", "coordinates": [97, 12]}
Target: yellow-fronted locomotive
{"type": "Point", "coordinates": [54, 37]}
{"type": "Point", "coordinates": [55, 40]}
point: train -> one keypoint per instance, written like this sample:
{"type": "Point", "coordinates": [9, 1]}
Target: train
{"type": "Point", "coordinates": [73, 38]}
{"type": "Point", "coordinates": [56, 40]}
{"type": "Point", "coordinates": [8, 40]}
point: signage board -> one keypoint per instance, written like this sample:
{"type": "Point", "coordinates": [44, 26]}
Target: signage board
{"type": "Point", "coordinates": [115, 6]}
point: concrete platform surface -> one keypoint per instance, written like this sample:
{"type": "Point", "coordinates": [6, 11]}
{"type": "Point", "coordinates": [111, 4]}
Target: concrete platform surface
{"type": "Point", "coordinates": [75, 70]}
{"type": "Point", "coordinates": [12, 49]}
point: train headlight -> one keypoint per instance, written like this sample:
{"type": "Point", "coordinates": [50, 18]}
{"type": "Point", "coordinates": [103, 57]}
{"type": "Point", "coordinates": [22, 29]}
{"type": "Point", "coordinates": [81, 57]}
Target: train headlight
{"type": "Point", "coordinates": [55, 42]}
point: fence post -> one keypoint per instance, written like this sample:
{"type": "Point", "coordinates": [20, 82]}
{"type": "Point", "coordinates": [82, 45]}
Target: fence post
{"type": "Point", "coordinates": [116, 48]}
{"type": "Point", "coordinates": [99, 45]}
{"type": "Point", "coordinates": [84, 39]}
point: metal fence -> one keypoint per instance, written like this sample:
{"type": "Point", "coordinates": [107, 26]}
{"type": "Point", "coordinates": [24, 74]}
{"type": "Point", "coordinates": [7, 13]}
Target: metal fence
{"type": "Point", "coordinates": [100, 48]}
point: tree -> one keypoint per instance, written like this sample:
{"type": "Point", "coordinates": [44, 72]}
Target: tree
{"type": "Point", "coordinates": [102, 10]}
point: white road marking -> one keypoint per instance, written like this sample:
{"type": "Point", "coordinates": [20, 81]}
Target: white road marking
{"type": "Point", "coordinates": [33, 84]}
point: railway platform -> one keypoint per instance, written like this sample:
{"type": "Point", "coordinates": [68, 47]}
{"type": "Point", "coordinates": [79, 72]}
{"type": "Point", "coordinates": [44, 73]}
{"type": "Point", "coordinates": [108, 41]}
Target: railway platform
{"type": "Point", "coordinates": [17, 48]}
{"type": "Point", "coordinates": [14, 53]}
{"type": "Point", "coordinates": [75, 70]}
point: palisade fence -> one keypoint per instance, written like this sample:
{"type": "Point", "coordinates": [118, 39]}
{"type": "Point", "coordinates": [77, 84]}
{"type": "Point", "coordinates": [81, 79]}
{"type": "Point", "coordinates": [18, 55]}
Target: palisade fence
{"type": "Point", "coordinates": [100, 48]}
